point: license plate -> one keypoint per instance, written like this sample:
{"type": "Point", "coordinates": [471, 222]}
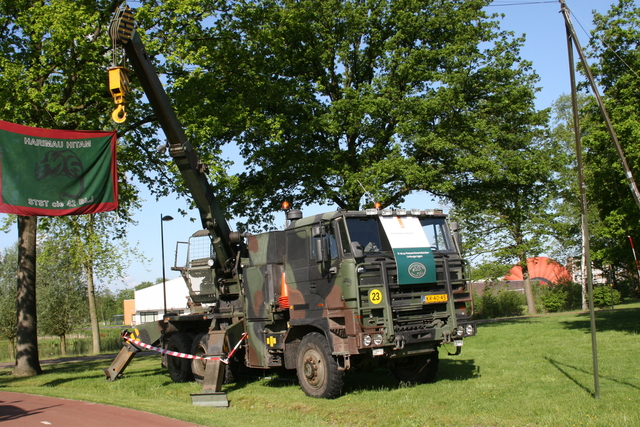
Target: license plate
{"type": "Point", "coordinates": [430, 299]}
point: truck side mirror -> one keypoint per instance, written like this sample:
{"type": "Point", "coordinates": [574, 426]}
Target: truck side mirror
{"type": "Point", "coordinates": [457, 239]}
{"type": "Point", "coordinates": [318, 231]}
{"type": "Point", "coordinates": [356, 250]}
{"type": "Point", "coordinates": [319, 240]}
{"type": "Point", "coordinates": [322, 254]}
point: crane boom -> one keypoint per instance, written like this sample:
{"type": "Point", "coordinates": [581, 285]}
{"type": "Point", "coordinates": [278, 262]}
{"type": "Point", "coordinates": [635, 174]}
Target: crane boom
{"type": "Point", "coordinates": [123, 33]}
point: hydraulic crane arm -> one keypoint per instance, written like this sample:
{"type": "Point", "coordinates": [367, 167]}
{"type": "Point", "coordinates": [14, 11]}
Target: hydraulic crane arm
{"type": "Point", "coordinates": [123, 33]}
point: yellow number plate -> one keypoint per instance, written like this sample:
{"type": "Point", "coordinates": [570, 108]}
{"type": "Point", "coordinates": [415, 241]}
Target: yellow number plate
{"type": "Point", "coordinates": [430, 299]}
{"type": "Point", "coordinates": [375, 296]}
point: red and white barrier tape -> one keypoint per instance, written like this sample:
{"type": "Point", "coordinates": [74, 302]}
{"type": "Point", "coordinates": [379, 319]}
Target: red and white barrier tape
{"type": "Point", "coordinates": [184, 355]}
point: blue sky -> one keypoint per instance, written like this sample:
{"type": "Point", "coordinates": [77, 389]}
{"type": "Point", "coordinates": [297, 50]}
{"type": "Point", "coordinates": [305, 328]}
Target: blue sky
{"type": "Point", "coordinates": [545, 47]}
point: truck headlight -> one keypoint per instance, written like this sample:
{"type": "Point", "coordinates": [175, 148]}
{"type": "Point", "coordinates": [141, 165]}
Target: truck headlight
{"type": "Point", "coordinates": [377, 339]}
{"type": "Point", "coordinates": [459, 331]}
{"type": "Point", "coordinates": [366, 340]}
{"type": "Point", "coordinates": [469, 329]}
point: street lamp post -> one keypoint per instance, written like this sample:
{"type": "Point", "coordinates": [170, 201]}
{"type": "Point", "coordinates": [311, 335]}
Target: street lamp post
{"type": "Point", "coordinates": [164, 279]}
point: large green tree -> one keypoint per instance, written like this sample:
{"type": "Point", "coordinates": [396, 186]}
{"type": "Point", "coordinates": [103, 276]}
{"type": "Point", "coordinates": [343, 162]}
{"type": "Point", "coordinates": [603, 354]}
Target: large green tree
{"type": "Point", "coordinates": [53, 60]}
{"type": "Point", "coordinates": [62, 300]}
{"type": "Point", "coordinates": [508, 214]}
{"type": "Point", "coordinates": [327, 98]}
{"type": "Point", "coordinates": [570, 240]}
{"type": "Point", "coordinates": [89, 249]}
{"type": "Point", "coordinates": [27, 358]}
{"type": "Point", "coordinates": [613, 48]}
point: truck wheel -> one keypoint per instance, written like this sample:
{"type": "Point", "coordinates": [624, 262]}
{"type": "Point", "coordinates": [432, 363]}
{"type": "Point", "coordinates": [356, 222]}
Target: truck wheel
{"type": "Point", "coordinates": [198, 366]}
{"type": "Point", "coordinates": [317, 369]}
{"type": "Point", "coordinates": [417, 369]}
{"type": "Point", "coordinates": [179, 368]}
{"type": "Point", "coordinates": [199, 348]}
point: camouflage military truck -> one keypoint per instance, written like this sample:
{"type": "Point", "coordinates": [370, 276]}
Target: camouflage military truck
{"type": "Point", "coordinates": [330, 292]}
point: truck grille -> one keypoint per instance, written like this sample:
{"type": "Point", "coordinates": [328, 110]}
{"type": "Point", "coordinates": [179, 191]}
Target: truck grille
{"type": "Point", "coordinates": [409, 313]}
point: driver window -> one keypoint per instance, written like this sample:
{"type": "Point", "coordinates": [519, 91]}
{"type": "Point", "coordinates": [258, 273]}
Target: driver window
{"type": "Point", "coordinates": [365, 231]}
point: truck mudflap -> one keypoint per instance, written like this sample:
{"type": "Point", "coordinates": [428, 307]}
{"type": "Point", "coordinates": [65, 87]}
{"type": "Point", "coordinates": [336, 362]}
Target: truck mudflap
{"type": "Point", "coordinates": [215, 368]}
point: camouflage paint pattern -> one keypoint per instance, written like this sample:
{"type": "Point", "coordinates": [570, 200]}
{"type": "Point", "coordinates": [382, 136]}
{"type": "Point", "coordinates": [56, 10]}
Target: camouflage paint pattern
{"type": "Point", "coordinates": [288, 289]}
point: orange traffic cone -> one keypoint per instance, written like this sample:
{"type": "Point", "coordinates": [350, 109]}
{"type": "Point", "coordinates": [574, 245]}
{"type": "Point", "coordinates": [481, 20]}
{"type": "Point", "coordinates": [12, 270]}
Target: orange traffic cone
{"type": "Point", "coordinates": [284, 294]}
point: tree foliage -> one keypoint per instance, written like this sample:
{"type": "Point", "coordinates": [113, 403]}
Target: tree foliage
{"type": "Point", "coordinates": [567, 230]}
{"type": "Point", "coordinates": [490, 271]}
{"type": "Point", "coordinates": [53, 60]}
{"type": "Point", "coordinates": [8, 315]}
{"type": "Point", "coordinates": [327, 98]}
{"type": "Point", "coordinates": [87, 246]}
{"type": "Point", "coordinates": [613, 47]}
{"type": "Point", "coordinates": [62, 302]}
{"type": "Point", "coordinates": [509, 214]}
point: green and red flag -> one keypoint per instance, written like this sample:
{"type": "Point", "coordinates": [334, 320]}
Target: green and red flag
{"type": "Point", "coordinates": [50, 172]}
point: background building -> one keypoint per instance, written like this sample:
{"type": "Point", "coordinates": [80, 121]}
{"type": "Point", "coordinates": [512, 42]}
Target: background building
{"type": "Point", "coordinates": [148, 303]}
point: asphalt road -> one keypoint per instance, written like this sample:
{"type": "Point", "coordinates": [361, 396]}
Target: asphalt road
{"type": "Point", "coordinates": [26, 410]}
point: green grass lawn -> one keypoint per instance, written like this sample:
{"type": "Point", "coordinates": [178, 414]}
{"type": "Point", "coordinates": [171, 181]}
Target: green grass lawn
{"type": "Point", "coordinates": [519, 372]}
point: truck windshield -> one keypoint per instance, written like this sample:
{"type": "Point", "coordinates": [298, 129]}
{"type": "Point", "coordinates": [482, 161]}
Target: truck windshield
{"type": "Point", "coordinates": [437, 233]}
{"type": "Point", "coordinates": [366, 231]}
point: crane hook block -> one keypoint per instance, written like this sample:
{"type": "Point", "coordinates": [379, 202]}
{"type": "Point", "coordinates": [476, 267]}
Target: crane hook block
{"type": "Point", "coordinates": [119, 88]}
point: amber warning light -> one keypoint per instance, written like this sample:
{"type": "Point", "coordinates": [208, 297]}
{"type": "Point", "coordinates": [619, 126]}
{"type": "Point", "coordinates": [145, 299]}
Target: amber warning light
{"type": "Point", "coordinates": [286, 206]}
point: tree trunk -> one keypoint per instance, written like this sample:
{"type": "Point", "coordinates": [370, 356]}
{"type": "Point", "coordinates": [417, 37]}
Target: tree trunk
{"type": "Point", "coordinates": [27, 360]}
{"type": "Point", "coordinates": [528, 290]}
{"type": "Point", "coordinates": [12, 348]}
{"type": "Point", "coordinates": [93, 315]}
{"type": "Point", "coordinates": [63, 345]}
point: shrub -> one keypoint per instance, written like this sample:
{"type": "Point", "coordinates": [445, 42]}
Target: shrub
{"type": "Point", "coordinates": [574, 296]}
{"type": "Point", "coordinates": [554, 300]}
{"type": "Point", "coordinates": [503, 303]}
{"type": "Point", "coordinates": [605, 296]}
{"type": "Point", "coordinates": [562, 296]}
{"type": "Point", "coordinates": [510, 303]}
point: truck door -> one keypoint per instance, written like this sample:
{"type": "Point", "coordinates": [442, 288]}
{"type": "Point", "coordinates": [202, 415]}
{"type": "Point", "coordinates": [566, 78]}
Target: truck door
{"type": "Point", "coordinates": [311, 253]}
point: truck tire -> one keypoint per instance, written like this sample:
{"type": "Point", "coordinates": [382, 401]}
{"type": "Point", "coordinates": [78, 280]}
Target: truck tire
{"type": "Point", "coordinates": [416, 369]}
{"type": "Point", "coordinates": [179, 368]}
{"type": "Point", "coordinates": [199, 348]}
{"type": "Point", "coordinates": [317, 369]}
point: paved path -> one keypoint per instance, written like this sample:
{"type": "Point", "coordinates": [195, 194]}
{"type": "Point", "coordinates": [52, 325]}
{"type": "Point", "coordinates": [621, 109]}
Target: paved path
{"type": "Point", "coordinates": [26, 410]}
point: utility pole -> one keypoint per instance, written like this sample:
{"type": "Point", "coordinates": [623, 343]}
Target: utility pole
{"type": "Point", "coordinates": [571, 38]}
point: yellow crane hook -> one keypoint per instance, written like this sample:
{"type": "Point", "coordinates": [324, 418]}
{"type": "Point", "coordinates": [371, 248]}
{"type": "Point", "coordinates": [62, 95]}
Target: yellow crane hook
{"type": "Point", "coordinates": [119, 88]}
{"type": "Point", "coordinates": [119, 115]}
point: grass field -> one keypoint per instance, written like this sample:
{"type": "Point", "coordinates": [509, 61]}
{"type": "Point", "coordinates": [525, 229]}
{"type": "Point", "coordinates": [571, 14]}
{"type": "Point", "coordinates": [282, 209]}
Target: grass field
{"type": "Point", "coordinates": [518, 372]}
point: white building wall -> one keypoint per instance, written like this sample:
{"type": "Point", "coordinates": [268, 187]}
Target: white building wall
{"type": "Point", "coordinates": [150, 301]}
